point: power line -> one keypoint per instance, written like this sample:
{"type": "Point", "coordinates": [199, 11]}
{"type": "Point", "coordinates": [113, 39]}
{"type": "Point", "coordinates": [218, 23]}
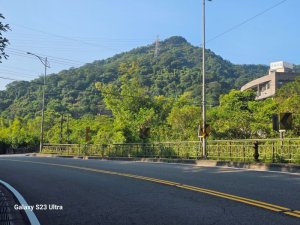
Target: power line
{"type": "Point", "coordinates": [245, 21]}
{"type": "Point", "coordinates": [22, 37]}
{"type": "Point", "coordinates": [7, 78]}
{"type": "Point", "coordinates": [12, 79]}
{"type": "Point", "coordinates": [18, 68]}
{"type": "Point", "coordinates": [53, 58]}
{"type": "Point", "coordinates": [16, 73]}
{"type": "Point", "coordinates": [65, 37]}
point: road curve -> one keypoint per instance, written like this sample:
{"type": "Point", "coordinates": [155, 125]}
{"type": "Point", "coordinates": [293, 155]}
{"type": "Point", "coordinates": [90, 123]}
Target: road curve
{"type": "Point", "coordinates": [114, 192]}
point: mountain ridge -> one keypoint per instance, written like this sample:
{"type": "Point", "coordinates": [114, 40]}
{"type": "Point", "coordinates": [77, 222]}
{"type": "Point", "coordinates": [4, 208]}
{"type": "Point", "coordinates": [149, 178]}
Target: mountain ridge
{"type": "Point", "coordinates": [176, 69]}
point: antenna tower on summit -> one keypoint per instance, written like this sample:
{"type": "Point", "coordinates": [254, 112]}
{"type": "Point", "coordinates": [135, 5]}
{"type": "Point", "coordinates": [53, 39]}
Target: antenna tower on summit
{"type": "Point", "coordinates": [156, 47]}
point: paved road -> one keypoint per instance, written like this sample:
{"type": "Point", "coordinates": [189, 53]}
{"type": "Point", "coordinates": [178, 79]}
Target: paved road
{"type": "Point", "coordinates": [90, 194]}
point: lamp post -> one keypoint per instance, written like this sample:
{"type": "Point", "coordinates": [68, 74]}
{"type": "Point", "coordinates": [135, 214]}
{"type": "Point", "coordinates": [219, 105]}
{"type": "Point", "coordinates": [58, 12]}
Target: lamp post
{"type": "Point", "coordinates": [203, 83]}
{"type": "Point", "coordinates": [44, 61]}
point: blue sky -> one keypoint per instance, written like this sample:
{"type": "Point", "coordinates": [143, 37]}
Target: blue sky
{"type": "Point", "coordinates": [74, 32]}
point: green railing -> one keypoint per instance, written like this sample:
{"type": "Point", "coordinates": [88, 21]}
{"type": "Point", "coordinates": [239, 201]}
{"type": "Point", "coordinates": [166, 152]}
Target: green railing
{"type": "Point", "coordinates": [270, 150]}
{"type": "Point", "coordinates": [188, 150]}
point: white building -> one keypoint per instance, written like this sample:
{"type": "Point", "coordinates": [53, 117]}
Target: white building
{"type": "Point", "coordinates": [266, 86]}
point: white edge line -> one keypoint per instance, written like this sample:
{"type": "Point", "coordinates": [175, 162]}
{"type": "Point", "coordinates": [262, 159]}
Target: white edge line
{"type": "Point", "coordinates": [30, 214]}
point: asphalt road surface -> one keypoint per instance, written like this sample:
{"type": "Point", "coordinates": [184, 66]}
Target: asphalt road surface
{"type": "Point", "coordinates": [75, 191]}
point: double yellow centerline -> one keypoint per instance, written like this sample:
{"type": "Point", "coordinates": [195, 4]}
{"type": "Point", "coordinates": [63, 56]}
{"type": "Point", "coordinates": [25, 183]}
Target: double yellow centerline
{"type": "Point", "coordinates": [248, 201]}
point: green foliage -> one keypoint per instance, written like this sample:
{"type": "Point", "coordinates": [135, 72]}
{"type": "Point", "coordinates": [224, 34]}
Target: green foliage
{"type": "Point", "coordinates": [17, 132]}
{"type": "Point", "coordinates": [130, 103]}
{"type": "Point", "coordinates": [288, 98]}
{"type": "Point", "coordinates": [3, 41]}
{"type": "Point", "coordinates": [184, 122]}
{"type": "Point", "coordinates": [239, 116]}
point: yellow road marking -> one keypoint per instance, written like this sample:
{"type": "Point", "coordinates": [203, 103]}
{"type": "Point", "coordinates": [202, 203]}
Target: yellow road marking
{"type": "Point", "coordinates": [248, 201]}
{"type": "Point", "coordinates": [292, 214]}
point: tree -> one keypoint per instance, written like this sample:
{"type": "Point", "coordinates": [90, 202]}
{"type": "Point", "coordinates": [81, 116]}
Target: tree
{"type": "Point", "coordinates": [130, 103]}
{"type": "Point", "coordinates": [288, 98]}
{"type": "Point", "coordinates": [3, 41]}
{"type": "Point", "coordinates": [184, 118]}
{"type": "Point", "coordinates": [241, 116]}
{"type": "Point", "coordinates": [232, 119]}
{"type": "Point", "coordinates": [184, 122]}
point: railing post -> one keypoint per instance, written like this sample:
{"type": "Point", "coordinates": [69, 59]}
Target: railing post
{"type": "Point", "coordinates": [289, 151]}
{"type": "Point", "coordinates": [102, 151]}
{"type": "Point", "coordinates": [281, 144]}
{"type": "Point", "coordinates": [256, 155]}
{"type": "Point", "coordinates": [218, 149]}
{"type": "Point", "coordinates": [109, 150]}
{"type": "Point", "coordinates": [160, 151]}
{"type": "Point", "coordinates": [153, 150]}
{"type": "Point", "coordinates": [273, 152]}
{"type": "Point", "coordinates": [230, 156]}
{"type": "Point", "coordinates": [265, 151]}
{"type": "Point", "coordinates": [244, 155]}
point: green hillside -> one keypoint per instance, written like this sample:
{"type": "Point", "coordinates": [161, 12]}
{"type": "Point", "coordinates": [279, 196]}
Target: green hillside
{"type": "Point", "coordinates": [175, 70]}
{"type": "Point", "coordinates": [136, 97]}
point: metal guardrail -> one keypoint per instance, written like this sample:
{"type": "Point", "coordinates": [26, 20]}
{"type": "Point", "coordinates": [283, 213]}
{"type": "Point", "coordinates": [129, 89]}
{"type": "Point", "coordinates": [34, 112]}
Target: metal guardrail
{"type": "Point", "coordinates": [270, 150]}
{"type": "Point", "coordinates": [156, 150]}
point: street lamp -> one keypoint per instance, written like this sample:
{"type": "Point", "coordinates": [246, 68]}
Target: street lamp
{"type": "Point", "coordinates": [203, 83]}
{"type": "Point", "coordinates": [44, 61]}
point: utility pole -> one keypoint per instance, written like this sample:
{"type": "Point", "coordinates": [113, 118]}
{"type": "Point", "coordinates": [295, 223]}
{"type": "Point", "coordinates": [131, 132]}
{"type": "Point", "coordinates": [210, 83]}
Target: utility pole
{"type": "Point", "coordinates": [44, 61]}
{"type": "Point", "coordinates": [203, 84]}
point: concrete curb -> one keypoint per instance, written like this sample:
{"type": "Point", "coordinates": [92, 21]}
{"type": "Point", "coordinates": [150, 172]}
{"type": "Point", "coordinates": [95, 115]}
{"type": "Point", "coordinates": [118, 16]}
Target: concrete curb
{"type": "Point", "coordinates": [279, 167]}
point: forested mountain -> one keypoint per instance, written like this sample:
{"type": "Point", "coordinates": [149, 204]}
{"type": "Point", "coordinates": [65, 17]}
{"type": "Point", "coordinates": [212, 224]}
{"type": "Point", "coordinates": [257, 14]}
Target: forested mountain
{"type": "Point", "coordinates": [137, 97]}
{"type": "Point", "coordinates": [175, 70]}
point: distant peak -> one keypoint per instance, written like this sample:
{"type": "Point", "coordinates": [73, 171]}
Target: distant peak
{"type": "Point", "coordinates": [177, 40]}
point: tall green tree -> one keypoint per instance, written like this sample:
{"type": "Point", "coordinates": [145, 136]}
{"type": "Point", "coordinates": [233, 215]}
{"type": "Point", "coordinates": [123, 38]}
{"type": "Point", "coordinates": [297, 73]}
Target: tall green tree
{"type": "Point", "coordinates": [240, 116]}
{"type": "Point", "coordinates": [130, 103]}
{"type": "Point", "coordinates": [184, 118]}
